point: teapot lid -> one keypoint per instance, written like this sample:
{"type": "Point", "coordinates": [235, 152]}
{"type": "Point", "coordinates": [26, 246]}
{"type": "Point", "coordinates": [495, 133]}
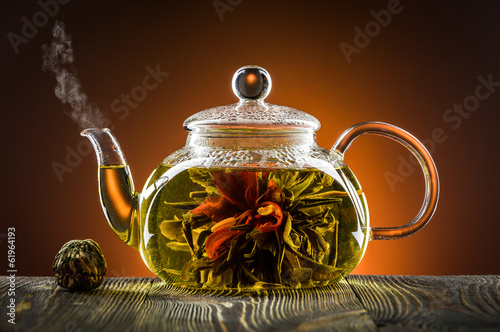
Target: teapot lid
{"type": "Point", "coordinates": [251, 84]}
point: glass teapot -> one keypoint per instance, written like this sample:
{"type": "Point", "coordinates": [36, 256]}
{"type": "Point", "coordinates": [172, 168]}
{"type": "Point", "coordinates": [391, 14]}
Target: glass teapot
{"type": "Point", "coordinates": [251, 201]}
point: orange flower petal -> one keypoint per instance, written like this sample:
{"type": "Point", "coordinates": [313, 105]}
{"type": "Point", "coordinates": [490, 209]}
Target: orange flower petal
{"type": "Point", "coordinates": [226, 223]}
{"type": "Point", "coordinates": [217, 208]}
{"type": "Point", "coordinates": [238, 187]}
{"type": "Point", "coordinates": [214, 245]}
{"type": "Point", "coordinates": [270, 218]}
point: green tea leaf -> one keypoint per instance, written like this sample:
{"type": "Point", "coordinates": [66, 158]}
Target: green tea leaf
{"type": "Point", "coordinates": [202, 239]}
{"type": "Point", "coordinates": [286, 232]}
{"type": "Point", "coordinates": [178, 246]}
{"type": "Point", "coordinates": [188, 235]}
{"type": "Point", "coordinates": [307, 202]}
{"type": "Point", "coordinates": [298, 187]}
{"type": "Point", "coordinates": [321, 272]}
{"type": "Point", "coordinates": [238, 246]}
{"type": "Point", "coordinates": [319, 246]}
{"type": "Point", "coordinates": [264, 240]}
{"type": "Point", "coordinates": [184, 205]}
{"type": "Point", "coordinates": [201, 176]}
{"type": "Point", "coordinates": [301, 275]}
{"type": "Point", "coordinates": [172, 230]}
{"type": "Point", "coordinates": [204, 178]}
{"type": "Point", "coordinates": [249, 274]}
{"type": "Point", "coordinates": [198, 220]}
{"type": "Point", "coordinates": [199, 195]}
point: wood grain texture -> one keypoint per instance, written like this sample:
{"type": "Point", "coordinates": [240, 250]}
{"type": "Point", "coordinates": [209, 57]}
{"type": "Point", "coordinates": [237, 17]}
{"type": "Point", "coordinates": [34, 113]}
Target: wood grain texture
{"type": "Point", "coordinates": [359, 303]}
{"type": "Point", "coordinates": [431, 303]}
{"type": "Point", "coordinates": [145, 304]}
{"type": "Point", "coordinates": [41, 305]}
{"type": "Point", "coordinates": [320, 309]}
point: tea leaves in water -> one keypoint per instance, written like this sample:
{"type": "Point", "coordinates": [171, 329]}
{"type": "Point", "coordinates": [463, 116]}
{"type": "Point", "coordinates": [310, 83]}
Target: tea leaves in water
{"type": "Point", "coordinates": [220, 228]}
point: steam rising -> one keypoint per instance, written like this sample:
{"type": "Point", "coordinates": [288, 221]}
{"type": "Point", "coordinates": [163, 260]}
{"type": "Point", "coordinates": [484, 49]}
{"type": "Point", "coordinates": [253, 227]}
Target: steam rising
{"type": "Point", "coordinates": [58, 58]}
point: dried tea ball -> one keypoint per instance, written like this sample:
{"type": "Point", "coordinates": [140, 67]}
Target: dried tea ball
{"type": "Point", "coordinates": [79, 265]}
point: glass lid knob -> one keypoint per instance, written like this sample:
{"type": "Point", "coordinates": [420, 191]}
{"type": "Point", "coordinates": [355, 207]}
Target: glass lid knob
{"type": "Point", "coordinates": [251, 83]}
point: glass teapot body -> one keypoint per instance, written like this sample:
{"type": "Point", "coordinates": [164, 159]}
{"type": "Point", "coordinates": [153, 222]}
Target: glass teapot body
{"type": "Point", "coordinates": [249, 210]}
{"type": "Point", "coordinates": [251, 202]}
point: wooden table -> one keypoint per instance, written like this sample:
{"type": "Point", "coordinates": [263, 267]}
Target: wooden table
{"type": "Point", "coordinates": [358, 303]}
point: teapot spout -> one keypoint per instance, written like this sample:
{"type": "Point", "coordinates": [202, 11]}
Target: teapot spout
{"type": "Point", "coordinates": [118, 197]}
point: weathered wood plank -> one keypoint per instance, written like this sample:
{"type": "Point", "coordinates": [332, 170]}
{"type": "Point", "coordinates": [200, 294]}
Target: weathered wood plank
{"type": "Point", "coordinates": [146, 304]}
{"type": "Point", "coordinates": [134, 304]}
{"type": "Point", "coordinates": [320, 309]}
{"type": "Point", "coordinates": [430, 303]}
{"type": "Point", "coordinates": [41, 305]}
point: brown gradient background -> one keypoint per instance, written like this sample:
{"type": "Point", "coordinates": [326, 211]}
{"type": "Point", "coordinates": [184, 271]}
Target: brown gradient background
{"type": "Point", "coordinates": [424, 61]}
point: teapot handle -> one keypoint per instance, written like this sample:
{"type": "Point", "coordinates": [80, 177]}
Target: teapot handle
{"type": "Point", "coordinates": [425, 160]}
